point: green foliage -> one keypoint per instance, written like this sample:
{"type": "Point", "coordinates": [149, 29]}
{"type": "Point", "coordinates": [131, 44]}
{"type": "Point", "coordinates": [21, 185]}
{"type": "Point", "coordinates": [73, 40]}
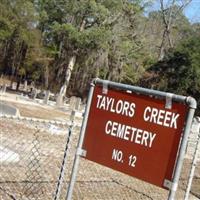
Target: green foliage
{"type": "Point", "coordinates": [91, 38]}
{"type": "Point", "coordinates": [180, 71]}
{"type": "Point", "coordinates": [19, 38]}
{"type": "Point", "coordinates": [5, 29]}
{"type": "Point", "coordinates": [111, 39]}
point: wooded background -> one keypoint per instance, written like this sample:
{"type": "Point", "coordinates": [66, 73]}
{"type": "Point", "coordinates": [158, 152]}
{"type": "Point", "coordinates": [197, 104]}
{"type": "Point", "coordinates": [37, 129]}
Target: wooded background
{"type": "Point", "coordinates": [59, 43]}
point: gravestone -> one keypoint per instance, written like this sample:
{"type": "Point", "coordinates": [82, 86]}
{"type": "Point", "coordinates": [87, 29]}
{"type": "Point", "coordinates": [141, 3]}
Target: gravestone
{"type": "Point", "coordinates": [46, 97]}
{"type": "Point", "coordinates": [13, 86]}
{"type": "Point", "coordinates": [72, 102]}
{"type": "Point", "coordinates": [60, 97]}
{"type": "Point", "coordinates": [4, 88]}
{"type": "Point", "coordinates": [32, 86]}
{"type": "Point", "coordinates": [34, 93]}
{"type": "Point", "coordinates": [59, 100]}
{"type": "Point", "coordinates": [8, 110]}
{"type": "Point", "coordinates": [75, 103]}
{"type": "Point", "coordinates": [25, 86]}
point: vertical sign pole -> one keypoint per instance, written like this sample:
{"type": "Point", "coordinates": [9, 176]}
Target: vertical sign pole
{"type": "Point", "coordinates": [80, 143]}
{"type": "Point", "coordinates": [192, 103]}
{"type": "Point", "coordinates": [194, 163]}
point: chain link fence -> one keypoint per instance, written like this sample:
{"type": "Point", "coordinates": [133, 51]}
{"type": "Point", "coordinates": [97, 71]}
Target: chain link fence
{"type": "Point", "coordinates": [100, 183]}
{"type": "Point", "coordinates": [31, 154]}
{"type": "Point", "coordinates": [32, 166]}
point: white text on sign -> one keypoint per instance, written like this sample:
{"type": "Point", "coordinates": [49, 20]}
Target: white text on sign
{"type": "Point", "coordinates": [129, 133]}
{"type": "Point", "coordinates": [161, 117]}
{"type": "Point", "coordinates": [120, 107]}
{"type": "Point", "coordinates": [117, 155]}
{"type": "Point", "coordinates": [129, 109]}
{"type": "Point", "coordinates": [152, 115]}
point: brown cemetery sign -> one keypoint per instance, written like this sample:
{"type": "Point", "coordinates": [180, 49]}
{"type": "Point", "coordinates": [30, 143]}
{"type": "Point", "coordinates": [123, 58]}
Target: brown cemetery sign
{"type": "Point", "coordinates": [134, 134]}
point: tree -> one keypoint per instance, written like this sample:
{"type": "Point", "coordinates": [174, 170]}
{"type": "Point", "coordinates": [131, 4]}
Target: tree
{"type": "Point", "coordinates": [179, 72]}
{"type": "Point", "coordinates": [65, 43]}
{"type": "Point", "coordinates": [78, 30]}
{"type": "Point", "coordinates": [18, 21]}
{"type": "Point", "coordinates": [169, 13]}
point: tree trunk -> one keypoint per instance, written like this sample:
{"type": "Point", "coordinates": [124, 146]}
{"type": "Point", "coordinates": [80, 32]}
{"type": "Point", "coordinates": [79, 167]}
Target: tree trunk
{"type": "Point", "coordinates": [70, 67]}
{"type": "Point", "coordinates": [46, 98]}
{"type": "Point", "coordinates": [18, 84]}
{"type": "Point", "coordinates": [72, 62]}
{"type": "Point", "coordinates": [167, 21]}
{"type": "Point", "coordinates": [162, 47]}
{"type": "Point", "coordinates": [46, 77]}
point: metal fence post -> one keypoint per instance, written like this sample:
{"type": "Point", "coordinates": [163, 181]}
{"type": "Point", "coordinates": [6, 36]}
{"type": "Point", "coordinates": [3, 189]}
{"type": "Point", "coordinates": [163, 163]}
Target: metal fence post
{"type": "Point", "coordinates": [63, 166]}
{"type": "Point", "coordinates": [194, 162]}
{"type": "Point", "coordinates": [80, 143]}
{"type": "Point", "coordinates": [192, 106]}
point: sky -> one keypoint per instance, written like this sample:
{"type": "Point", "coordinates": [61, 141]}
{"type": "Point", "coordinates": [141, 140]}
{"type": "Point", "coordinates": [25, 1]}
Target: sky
{"type": "Point", "coordinates": [192, 11]}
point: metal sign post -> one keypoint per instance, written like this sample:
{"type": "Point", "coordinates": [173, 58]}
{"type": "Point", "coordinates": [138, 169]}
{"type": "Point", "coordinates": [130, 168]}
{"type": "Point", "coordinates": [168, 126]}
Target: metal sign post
{"type": "Point", "coordinates": [192, 106]}
{"type": "Point", "coordinates": [140, 129]}
{"type": "Point", "coordinates": [80, 143]}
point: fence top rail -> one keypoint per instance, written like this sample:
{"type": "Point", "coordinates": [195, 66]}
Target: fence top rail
{"type": "Point", "coordinates": [37, 120]}
{"type": "Point", "coordinates": [190, 101]}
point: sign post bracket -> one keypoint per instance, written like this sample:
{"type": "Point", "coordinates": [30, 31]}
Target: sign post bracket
{"type": "Point", "coordinates": [170, 185]}
{"type": "Point", "coordinates": [169, 97]}
{"type": "Point", "coordinates": [105, 87]}
{"type": "Point", "coordinates": [81, 152]}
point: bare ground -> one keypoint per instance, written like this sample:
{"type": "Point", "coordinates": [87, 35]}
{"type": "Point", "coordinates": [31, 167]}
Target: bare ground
{"type": "Point", "coordinates": [38, 111]}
